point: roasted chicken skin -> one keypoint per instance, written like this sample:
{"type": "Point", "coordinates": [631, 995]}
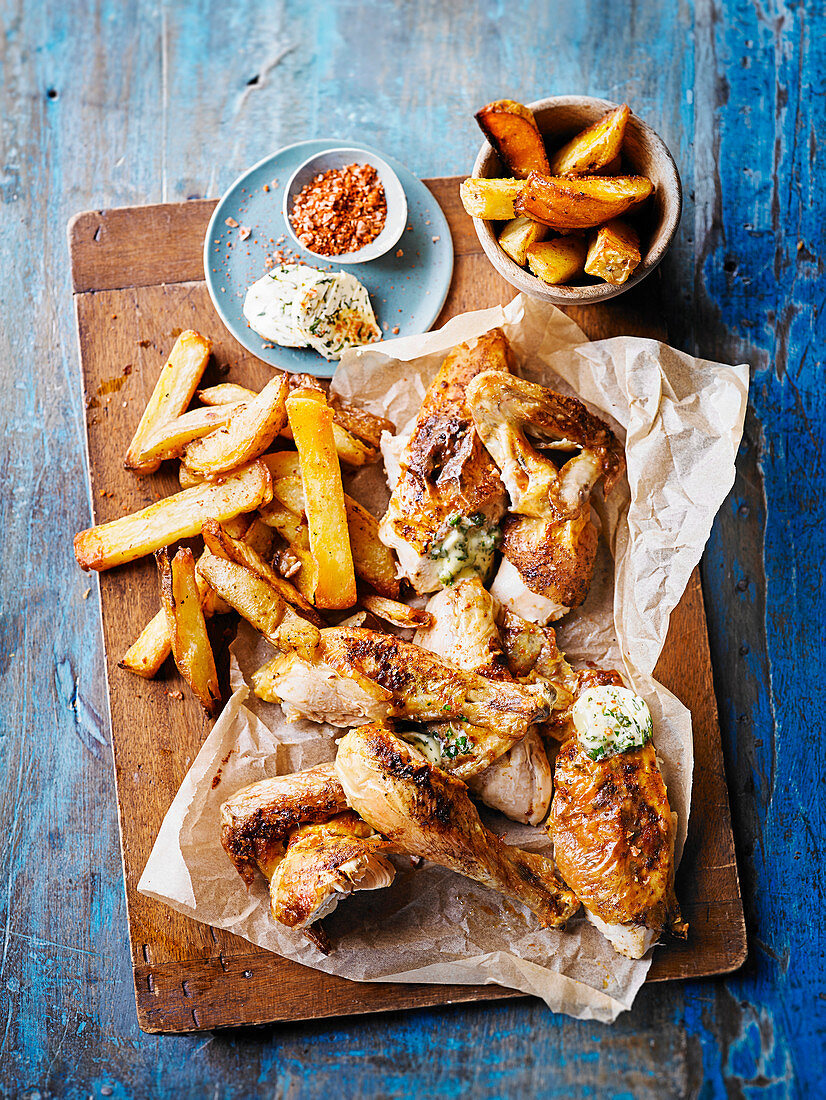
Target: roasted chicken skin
{"type": "Point", "coordinates": [298, 831]}
{"type": "Point", "coordinates": [322, 864]}
{"type": "Point", "coordinates": [446, 475]}
{"type": "Point", "coordinates": [613, 834]}
{"type": "Point", "coordinates": [548, 541]}
{"type": "Point", "coordinates": [426, 812]}
{"type": "Point", "coordinates": [519, 783]}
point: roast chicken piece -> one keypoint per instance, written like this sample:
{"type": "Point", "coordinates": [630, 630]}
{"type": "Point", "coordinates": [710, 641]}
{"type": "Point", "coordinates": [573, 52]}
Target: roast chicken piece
{"type": "Point", "coordinates": [519, 783]}
{"type": "Point", "coordinates": [426, 812]}
{"type": "Point", "coordinates": [298, 831]}
{"type": "Point", "coordinates": [447, 503]}
{"type": "Point", "coordinates": [613, 834]}
{"type": "Point", "coordinates": [551, 452]}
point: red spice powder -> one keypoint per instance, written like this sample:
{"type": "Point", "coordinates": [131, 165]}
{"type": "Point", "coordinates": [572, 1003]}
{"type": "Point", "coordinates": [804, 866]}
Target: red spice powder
{"type": "Point", "coordinates": [340, 210]}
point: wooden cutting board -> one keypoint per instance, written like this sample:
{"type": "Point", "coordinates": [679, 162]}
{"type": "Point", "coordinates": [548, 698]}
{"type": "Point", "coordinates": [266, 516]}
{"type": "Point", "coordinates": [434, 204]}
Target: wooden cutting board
{"type": "Point", "coordinates": [138, 281]}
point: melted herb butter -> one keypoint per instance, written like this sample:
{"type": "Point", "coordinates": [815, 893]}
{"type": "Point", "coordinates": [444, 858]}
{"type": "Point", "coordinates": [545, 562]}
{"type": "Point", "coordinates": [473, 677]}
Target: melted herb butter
{"type": "Point", "coordinates": [466, 549]}
{"type": "Point", "coordinates": [439, 747]}
{"type": "Point", "coordinates": [609, 720]}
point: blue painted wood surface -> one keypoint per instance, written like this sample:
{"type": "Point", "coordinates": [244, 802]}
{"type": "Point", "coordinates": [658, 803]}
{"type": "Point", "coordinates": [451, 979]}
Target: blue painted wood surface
{"type": "Point", "coordinates": [112, 102]}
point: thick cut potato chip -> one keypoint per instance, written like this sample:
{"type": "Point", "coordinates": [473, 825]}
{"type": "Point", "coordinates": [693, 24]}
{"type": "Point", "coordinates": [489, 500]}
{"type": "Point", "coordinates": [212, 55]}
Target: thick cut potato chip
{"type": "Point", "coordinates": [173, 391]}
{"type": "Point", "coordinates": [170, 439]}
{"type": "Point", "coordinates": [151, 648]}
{"type": "Point", "coordinates": [567, 203]}
{"type": "Point", "coordinates": [512, 131]}
{"type": "Point", "coordinates": [491, 199]}
{"type": "Point", "coordinates": [222, 545]}
{"type": "Point", "coordinates": [311, 420]}
{"type": "Point", "coordinates": [260, 604]}
{"type": "Point", "coordinates": [557, 261]}
{"type": "Point", "coordinates": [593, 148]}
{"type": "Point", "coordinates": [614, 253]}
{"type": "Point", "coordinates": [177, 517]}
{"type": "Point", "coordinates": [187, 628]}
{"type": "Point", "coordinates": [518, 235]}
{"type": "Point", "coordinates": [247, 434]}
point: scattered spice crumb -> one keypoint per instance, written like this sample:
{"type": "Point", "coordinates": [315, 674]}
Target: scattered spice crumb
{"type": "Point", "coordinates": [245, 231]}
{"type": "Point", "coordinates": [175, 694]}
{"type": "Point", "coordinates": [435, 239]}
{"type": "Point", "coordinates": [395, 328]}
{"type": "Point", "coordinates": [427, 223]}
{"type": "Point", "coordinates": [399, 253]}
{"type": "Point", "coordinates": [86, 593]}
{"type": "Point", "coordinates": [231, 222]}
{"type": "Point", "coordinates": [266, 187]}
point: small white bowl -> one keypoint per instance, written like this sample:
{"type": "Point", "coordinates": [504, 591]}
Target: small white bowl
{"type": "Point", "coordinates": [393, 192]}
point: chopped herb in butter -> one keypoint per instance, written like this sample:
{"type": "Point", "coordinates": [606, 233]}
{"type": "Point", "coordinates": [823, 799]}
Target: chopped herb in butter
{"type": "Point", "coordinates": [466, 549]}
{"type": "Point", "coordinates": [609, 720]}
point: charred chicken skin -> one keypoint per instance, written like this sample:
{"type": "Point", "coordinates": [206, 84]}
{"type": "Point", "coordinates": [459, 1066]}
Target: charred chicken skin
{"type": "Point", "coordinates": [548, 540]}
{"type": "Point", "coordinates": [426, 812]}
{"type": "Point", "coordinates": [449, 488]}
{"type": "Point", "coordinates": [298, 831]}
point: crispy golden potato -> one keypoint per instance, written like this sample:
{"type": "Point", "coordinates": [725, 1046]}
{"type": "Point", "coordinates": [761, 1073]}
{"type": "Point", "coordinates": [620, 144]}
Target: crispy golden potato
{"type": "Point", "coordinates": [187, 628]}
{"type": "Point", "coordinates": [491, 199]}
{"type": "Point", "coordinates": [296, 562]}
{"type": "Point", "coordinates": [394, 612]}
{"type": "Point", "coordinates": [187, 479]}
{"type": "Point", "coordinates": [247, 434]}
{"type": "Point", "coordinates": [593, 148]}
{"type": "Point", "coordinates": [512, 131]}
{"type": "Point", "coordinates": [311, 420]}
{"type": "Point", "coordinates": [260, 604]}
{"type": "Point", "coordinates": [557, 261]}
{"type": "Point", "coordinates": [151, 648]}
{"type": "Point", "coordinates": [177, 517]}
{"type": "Point", "coordinates": [169, 440]}
{"type": "Point", "coordinates": [352, 446]}
{"type": "Point", "coordinates": [566, 203]}
{"type": "Point", "coordinates": [364, 425]}
{"type": "Point", "coordinates": [374, 562]}
{"type": "Point", "coordinates": [173, 391]}
{"type": "Point", "coordinates": [614, 253]}
{"type": "Point", "coordinates": [518, 235]}
{"type": "Point", "coordinates": [222, 545]}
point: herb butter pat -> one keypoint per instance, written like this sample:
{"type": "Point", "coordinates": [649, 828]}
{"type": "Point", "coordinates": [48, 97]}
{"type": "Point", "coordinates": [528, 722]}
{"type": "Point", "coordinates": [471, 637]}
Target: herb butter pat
{"type": "Point", "coordinates": [467, 548]}
{"type": "Point", "coordinates": [297, 306]}
{"type": "Point", "coordinates": [609, 720]}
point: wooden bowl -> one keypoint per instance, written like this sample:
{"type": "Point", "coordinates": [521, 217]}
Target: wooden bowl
{"type": "Point", "coordinates": [643, 154]}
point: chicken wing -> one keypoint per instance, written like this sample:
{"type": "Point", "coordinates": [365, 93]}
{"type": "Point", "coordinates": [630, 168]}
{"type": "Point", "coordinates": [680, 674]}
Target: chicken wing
{"type": "Point", "coordinates": [426, 812]}
{"type": "Point", "coordinates": [519, 783]}
{"type": "Point", "coordinates": [443, 515]}
{"type": "Point", "coordinates": [299, 833]}
{"type": "Point", "coordinates": [613, 834]}
{"type": "Point", "coordinates": [549, 542]}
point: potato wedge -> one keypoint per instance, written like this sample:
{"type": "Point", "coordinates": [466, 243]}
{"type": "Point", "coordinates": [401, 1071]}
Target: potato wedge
{"type": "Point", "coordinates": [491, 199]}
{"type": "Point", "coordinates": [169, 440]}
{"type": "Point", "coordinates": [518, 235]}
{"type": "Point", "coordinates": [311, 420]}
{"type": "Point", "coordinates": [593, 148]}
{"type": "Point", "coordinates": [558, 261]}
{"type": "Point", "coordinates": [173, 391]}
{"type": "Point", "coordinates": [177, 517]}
{"type": "Point", "coordinates": [247, 434]}
{"type": "Point", "coordinates": [191, 650]}
{"type": "Point", "coordinates": [222, 545]}
{"type": "Point", "coordinates": [260, 604]}
{"type": "Point", "coordinates": [296, 563]}
{"type": "Point", "coordinates": [614, 253]}
{"type": "Point", "coordinates": [564, 203]}
{"type": "Point", "coordinates": [225, 393]}
{"type": "Point", "coordinates": [512, 131]}
{"type": "Point", "coordinates": [394, 612]}
{"type": "Point", "coordinates": [364, 425]}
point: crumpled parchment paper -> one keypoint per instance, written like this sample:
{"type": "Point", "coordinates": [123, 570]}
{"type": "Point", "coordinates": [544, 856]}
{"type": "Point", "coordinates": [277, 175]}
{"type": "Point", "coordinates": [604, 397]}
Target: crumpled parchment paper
{"type": "Point", "coordinates": [681, 419]}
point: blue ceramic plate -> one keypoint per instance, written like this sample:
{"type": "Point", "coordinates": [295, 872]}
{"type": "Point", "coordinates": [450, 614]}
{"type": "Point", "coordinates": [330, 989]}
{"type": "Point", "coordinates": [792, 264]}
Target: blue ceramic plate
{"type": "Point", "coordinates": [407, 291]}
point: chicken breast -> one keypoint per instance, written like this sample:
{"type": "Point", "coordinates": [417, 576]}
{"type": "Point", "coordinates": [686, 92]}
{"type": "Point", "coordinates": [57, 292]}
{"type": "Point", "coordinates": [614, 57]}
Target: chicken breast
{"type": "Point", "coordinates": [549, 539]}
{"type": "Point", "coordinates": [519, 783]}
{"type": "Point", "coordinates": [320, 694]}
{"type": "Point", "coordinates": [426, 812]}
{"type": "Point", "coordinates": [613, 834]}
{"type": "Point", "coordinates": [445, 508]}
